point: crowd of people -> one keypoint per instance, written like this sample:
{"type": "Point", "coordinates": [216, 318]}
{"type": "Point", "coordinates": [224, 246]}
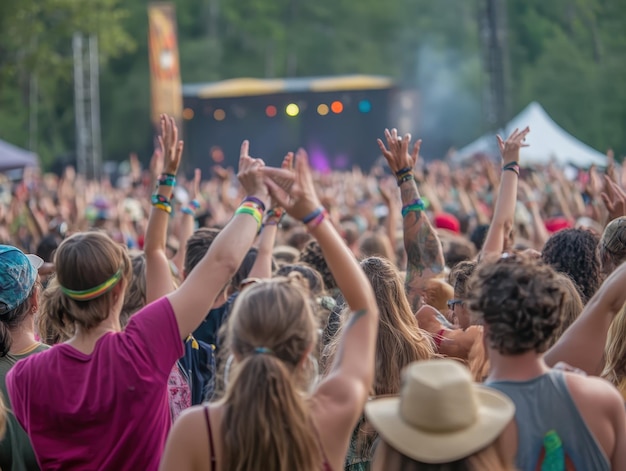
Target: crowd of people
{"type": "Point", "coordinates": [421, 316]}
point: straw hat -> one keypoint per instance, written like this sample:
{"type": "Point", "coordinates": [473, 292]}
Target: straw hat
{"type": "Point", "coordinates": [441, 415]}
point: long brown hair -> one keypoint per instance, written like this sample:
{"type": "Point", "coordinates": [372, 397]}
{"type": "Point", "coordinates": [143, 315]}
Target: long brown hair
{"type": "Point", "coordinates": [84, 261]}
{"type": "Point", "coordinates": [615, 350]}
{"type": "Point", "coordinates": [267, 419]}
{"type": "Point", "coordinates": [400, 341]}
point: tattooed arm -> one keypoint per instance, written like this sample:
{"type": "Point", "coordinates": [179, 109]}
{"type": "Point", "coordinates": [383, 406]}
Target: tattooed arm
{"type": "Point", "coordinates": [424, 251]}
{"type": "Point", "coordinates": [422, 245]}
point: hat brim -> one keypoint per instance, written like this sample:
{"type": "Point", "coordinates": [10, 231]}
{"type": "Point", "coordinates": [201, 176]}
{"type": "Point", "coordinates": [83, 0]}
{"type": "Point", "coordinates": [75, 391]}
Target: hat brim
{"type": "Point", "coordinates": [35, 261]}
{"type": "Point", "coordinates": [495, 411]}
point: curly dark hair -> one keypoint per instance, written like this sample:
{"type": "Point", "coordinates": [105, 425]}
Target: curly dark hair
{"type": "Point", "coordinates": [520, 300]}
{"type": "Point", "coordinates": [574, 253]}
{"type": "Point", "coordinates": [312, 255]}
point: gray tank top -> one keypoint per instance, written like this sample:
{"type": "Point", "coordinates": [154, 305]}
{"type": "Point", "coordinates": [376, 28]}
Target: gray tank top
{"type": "Point", "coordinates": [542, 405]}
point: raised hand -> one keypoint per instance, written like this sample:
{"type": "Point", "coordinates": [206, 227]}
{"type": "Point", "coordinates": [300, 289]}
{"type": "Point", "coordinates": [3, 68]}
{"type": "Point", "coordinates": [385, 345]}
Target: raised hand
{"type": "Point", "coordinates": [250, 175]}
{"type": "Point", "coordinates": [510, 148]}
{"type": "Point", "coordinates": [294, 189]}
{"type": "Point", "coordinates": [397, 155]}
{"type": "Point", "coordinates": [614, 199]}
{"type": "Point", "coordinates": [171, 147]}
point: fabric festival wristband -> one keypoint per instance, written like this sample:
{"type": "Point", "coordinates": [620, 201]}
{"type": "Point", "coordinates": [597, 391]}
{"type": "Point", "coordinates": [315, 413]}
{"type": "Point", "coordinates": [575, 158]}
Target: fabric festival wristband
{"type": "Point", "coordinates": [405, 178]}
{"type": "Point", "coordinates": [194, 204]}
{"type": "Point", "coordinates": [163, 207]}
{"type": "Point", "coordinates": [414, 206]}
{"type": "Point", "coordinates": [188, 211]}
{"type": "Point", "coordinates": [311, 216]}
{"type": "Point", "coordinates": [512, 168]}
{"type": "Point", "coordinates": [257, 201]}
{"type": "Point", "coordinates": [403, 171]}
{"type": "Point", "coordinates": [318, 220]}
{"type": "Point", "coordinates": [93, 293]}
{"type": "Point", "coordinates": [167, 180]}
{"type": "Point", "coordinates": [156, 199]}
{"type": "Point", "coordinates": [255, 213]}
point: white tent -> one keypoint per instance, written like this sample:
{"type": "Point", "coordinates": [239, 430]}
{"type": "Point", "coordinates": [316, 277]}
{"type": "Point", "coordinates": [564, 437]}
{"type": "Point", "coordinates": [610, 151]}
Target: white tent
{"type": "Point", "coordinates": [547, 142]}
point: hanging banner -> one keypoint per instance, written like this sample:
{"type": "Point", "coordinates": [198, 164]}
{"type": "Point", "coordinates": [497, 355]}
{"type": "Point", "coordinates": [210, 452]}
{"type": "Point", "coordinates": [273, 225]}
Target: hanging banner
{"type": "Point", "coordinates": [164, 62]}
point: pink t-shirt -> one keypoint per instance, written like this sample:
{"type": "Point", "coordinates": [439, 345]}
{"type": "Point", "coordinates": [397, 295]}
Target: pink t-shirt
{"type": "Point", "coordinates": [104, 411]}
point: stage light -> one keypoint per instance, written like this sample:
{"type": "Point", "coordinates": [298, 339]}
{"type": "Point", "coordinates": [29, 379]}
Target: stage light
{"type": "Point", "coordinates": [188, 114]}
{"type": "Point", "coordinates": [336, 107]}
{"type": "Point", "coordinates": [292, 110]}
{"type": "Point", "coordinates": [271, 111]}
{"type": "Point", "coordinates": [219, 115]}
{"type": "Point", "coordinates": [365, 106]}
{"type": "Point", "coordinates": [322, 109]}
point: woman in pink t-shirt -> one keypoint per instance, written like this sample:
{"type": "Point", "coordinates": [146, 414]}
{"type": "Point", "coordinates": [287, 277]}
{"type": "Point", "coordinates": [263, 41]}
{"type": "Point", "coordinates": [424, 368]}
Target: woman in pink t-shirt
{"type": "Point", "coordinates": [99, 401]}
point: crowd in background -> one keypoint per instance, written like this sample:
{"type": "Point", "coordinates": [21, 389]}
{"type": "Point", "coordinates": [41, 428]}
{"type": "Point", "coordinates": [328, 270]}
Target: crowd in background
{"type": "Point", "coordinates": [351, 315]}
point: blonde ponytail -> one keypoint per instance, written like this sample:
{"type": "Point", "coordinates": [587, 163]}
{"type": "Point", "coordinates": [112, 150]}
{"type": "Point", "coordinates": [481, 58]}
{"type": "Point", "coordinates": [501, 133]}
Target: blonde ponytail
{"type": "Point", "coordinates": [267, 423]}
{"type": "Point", "coordinates": [268, 419]}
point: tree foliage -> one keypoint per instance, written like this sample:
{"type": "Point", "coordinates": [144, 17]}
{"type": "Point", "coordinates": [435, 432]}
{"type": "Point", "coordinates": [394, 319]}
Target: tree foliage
{"type": "Point", "coordinates": [566, 54]}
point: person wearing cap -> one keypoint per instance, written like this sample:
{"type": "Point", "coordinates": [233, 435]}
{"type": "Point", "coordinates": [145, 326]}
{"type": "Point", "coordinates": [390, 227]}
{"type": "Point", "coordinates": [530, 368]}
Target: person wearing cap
{"type": "Point", "coordinates": [576, 421]}
{"type": "Point", "coordinates": [19, 290]}
{"type": "Point", "coordinates": [440, 421]}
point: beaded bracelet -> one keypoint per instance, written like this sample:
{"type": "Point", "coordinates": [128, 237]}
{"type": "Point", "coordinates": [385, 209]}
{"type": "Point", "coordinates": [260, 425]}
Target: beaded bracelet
{"type": "Point", "coordinates": [513, 167]}
{"type": "Point", "coordinates": [254, 212]}
{"type": "Point", "coordinates": [255, 200]}
{"type": "Point", "coordinates": [311, 216]}
{"type": "Point", "coordinates": [274, 216]}
{"type": "Point", "coordinates": [167, 179]}
{"type": "Point", "coordinates": [414, 206]}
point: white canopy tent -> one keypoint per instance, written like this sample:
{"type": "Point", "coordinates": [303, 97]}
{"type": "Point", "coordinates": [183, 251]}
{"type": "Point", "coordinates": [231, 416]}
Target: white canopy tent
{"type": "Point", "coordinates": [547, 141]}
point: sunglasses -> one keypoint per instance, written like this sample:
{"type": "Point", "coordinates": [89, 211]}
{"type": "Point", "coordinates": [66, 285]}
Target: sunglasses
{"type": "Point", "coordinates": [454, 302]}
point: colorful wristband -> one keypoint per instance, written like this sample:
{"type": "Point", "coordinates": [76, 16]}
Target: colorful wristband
{"type": "Point", "coordinates": [188, 211]}
{"type": "Point", "coordinates": [404, 170]}
{"type": "Point", "coordinates": [318, 220]}
{"type": "Point", "coordinates": [255, 213]}
{"type": "Point", "coordinates": [255, 200]}
{"type": "Point", "coordinates": [513, 167]}
{"type": "Point", "coordinates": [311, 216]}
{"type": "Point", "coordinates": [167, 179]}
{"type": "Point", "coordinates": [414, 206]}
{"type": "Point", "coordinates": [405, 178]}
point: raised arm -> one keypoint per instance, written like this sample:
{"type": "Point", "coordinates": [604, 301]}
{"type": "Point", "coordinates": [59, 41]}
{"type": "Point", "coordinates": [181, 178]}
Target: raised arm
{"type": "Point", "coordinates": [262, 267]}
{"type": "Point", "coordinates": [197, 294]}
{"type": "Point", "coordinates": [582, 344]}
{"type": "Point", "coordinates": [187, 221]}
{"type": "Point", "coordinates": [353, 371]}
{"type": "Point", "coordinates": [504, 213]}
{"type": "Point", "coordinates": [159, 280]}
{"type": "Point", "coordinates": [423, 247]}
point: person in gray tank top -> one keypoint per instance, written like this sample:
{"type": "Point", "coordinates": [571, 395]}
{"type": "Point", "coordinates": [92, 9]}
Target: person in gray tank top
{"type": "Point", "coordinates": [564, 421]}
